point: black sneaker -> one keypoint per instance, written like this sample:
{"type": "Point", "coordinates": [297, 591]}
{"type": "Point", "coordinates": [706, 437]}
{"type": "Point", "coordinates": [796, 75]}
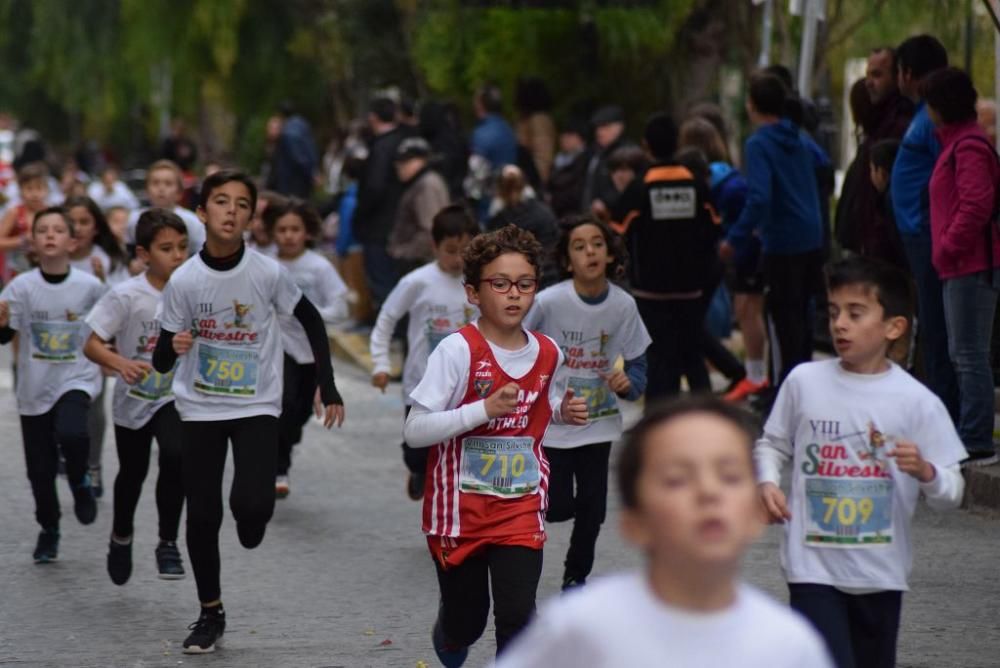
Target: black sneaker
{"type": "Point", "coordinates": [84, 504]}
{"type": "Point", "coordinates": [119, 562]}
{"type": "Point", "coordinates": [47, 547]}
{"type": "Point", "coordinates": [415, 486]}
{"type": "Point", "coordinates": [450, 656]}
{"type": "Point", "coordinates": [571, 583]}
{"type": "Point", "coordinates": [206, 633]}
{"type": "Point", "coordinates": [97, 481]}
{"type": "Point", "coordinates": [168, 561]}
{"type": "Point", "coordinates": [978, 458]}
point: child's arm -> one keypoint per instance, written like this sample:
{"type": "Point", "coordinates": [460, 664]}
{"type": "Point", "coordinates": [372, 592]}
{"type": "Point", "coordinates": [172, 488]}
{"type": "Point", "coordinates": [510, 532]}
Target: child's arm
{"type": "Point", "coordinates": [395, 306]}
{"type": "Point", "coordinates": [770, 455]}
{"type": "Point", "coordinates": [425, 427]}
{"type": "Point", "coordinates": [176, 340]}
{"type": "Point", "coordinates": [943, 486]}
{"type": "Point", "coordinates": [312, 323]}
{"type": "Point", "coordinates": [630, 383]}
{"type": "Point", "coordinates": [97, 351]}
{"type": "Point", "coordinates": [333, 295]}
{"type": "Point", "coordinates": [7, 240]}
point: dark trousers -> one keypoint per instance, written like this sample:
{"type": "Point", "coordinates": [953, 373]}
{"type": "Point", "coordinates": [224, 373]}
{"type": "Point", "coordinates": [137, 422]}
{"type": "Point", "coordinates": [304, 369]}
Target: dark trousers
{"type": "Point", "coordinates": [134, 447]}
{"type": "Point", "coordinates": [513, 572]}
{"type": "Point", "coordinates": [586, 505]}
{"type": "Point", "coordinates": [380, 271]}
{"type": "Point", "coordinates": [251, 499]}
{"type": "Point", "coordinates": [676, 328]}
{"type": "Point", "coordinates": [415, 458]}
{"type": "Point", "coordinates": [65, 427]}
{"type": "Point", "coordinates": [715, 353]}
{"type": "Point", "coordinates": [860, 630]}
{"type": "Point", "coordinates": [791, 282]}
{"type": "Point", "coordinates": [296, 408]}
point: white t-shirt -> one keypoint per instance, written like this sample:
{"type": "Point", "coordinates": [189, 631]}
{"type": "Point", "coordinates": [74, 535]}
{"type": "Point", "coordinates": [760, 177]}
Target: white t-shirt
{"type": "Point", "coordinates": [437, 306]}
{"type": "Point", "coordinates": [195, 228]}
{"type": "Point", "coordinates": [128, 314]}
{"type": "Point", "coordinates": [618, 621]}
{"type": "Point", "coordinates": [50, 320]}
{"type": "Point", "coordinates": [120, 195]}
{"type": "Point", "coordinates": [235, 367]}
{"type": "Point", "coordinates": [115, 277]}
{"type": "Point", "coordinates": [591, 336]}
{"type": "Point", "coordinates": [851, 506]}
{"type": "Point", "coordinates": [322, 285]}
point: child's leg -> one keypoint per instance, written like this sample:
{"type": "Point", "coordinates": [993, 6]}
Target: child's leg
{"type": "Point", "coordinates": [465, 601]}
{"type": "Point", "coordinates": [133, 447]}
{"type": "Point", "coordinates": [96, 423]}
{"type": "Point", "coordinates": [70, 417]}
{"type": "Point", "coordinates": [827, 609]}
{"type": "Point", "coordinates": [166, 426]}
{"type": "Point", "coordinates": [874, 620]}
{"type": "Point", "coordinates": [203, 459]}
{"type": "Point", "coordinates": [561, 468]}
{"type": "Point", "coordinates": [289, 429]}
{"type": "Point", "coordinates": [41, 456]}
{"type": "Point", "coordinates": [590, 508]}
{"type": "Point", "coordinates": [514, 572]}
{"type": "Point", "coordinates": [251, 499]}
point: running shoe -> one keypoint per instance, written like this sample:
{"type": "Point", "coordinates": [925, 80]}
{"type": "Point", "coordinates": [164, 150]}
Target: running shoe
{"type": "Point", "coordinates": [97, 481]}
{"type": "Point", "coordinates": [282, 486]}
{"type": "Point", "coordinates": [415, 486]}
{"type": "Point", "coordinates": [168, 561]}
{"type": "Point", "coordinates": [206, 633]}
{"type": "Point", "coordinates": [119, 561]}
{"type": "Point", "coordinates": [84, 504]}
{"type": "Point", "coordinates": [570, 583]}
{"type": "Point", "coordinates": [979, 458]}
{"type": "Point", "coordinates": [450, 656]}
{"type": "Point", "coordinates": [745, 389]}
{"type": "Point", "coordinates": [47, 547]}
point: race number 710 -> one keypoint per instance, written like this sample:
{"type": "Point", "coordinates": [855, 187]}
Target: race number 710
{"type": "Point", "coordinates": [516, 464]}
{"type": "Point", "coordinates": [848, 510]}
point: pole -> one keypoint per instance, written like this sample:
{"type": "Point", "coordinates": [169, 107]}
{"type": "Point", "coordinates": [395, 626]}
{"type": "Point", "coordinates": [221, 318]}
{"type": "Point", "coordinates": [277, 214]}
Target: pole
{"type": "Point", "coordinates": [807, 55]}
{"type": "Point", "coordinates": [764, 59]}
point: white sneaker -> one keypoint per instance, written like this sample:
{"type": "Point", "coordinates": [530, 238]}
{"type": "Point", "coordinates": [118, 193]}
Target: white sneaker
{"type": "Point", "coordinates": [281, 487]}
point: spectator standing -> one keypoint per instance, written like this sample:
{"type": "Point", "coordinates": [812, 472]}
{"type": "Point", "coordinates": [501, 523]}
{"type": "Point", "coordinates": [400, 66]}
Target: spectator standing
{"type": "Point", "coordinates": [449, 153]}
{"type": "Point", "coordinates": [535, 129]}
{"type": "Point", "coordinates": [494, 146]}
{"type": "Point", "coordinates": [599, 193]}
{"type": "Point", "coordinates": [425, 193]}
{"type": "Point", "coordinates": [520, 207]}
{"type": "Point", "coordinates": [295, 162]}
{"type": "Point", "coordinates": [569, 169]}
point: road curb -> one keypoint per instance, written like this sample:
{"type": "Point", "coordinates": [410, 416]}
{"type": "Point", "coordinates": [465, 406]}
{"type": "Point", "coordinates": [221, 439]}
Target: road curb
{"type": "Point", "coordinates": [982, 487]}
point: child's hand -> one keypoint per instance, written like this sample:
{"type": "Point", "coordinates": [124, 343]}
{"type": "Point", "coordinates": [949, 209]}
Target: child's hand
{"type": "Point", "coordinates": [4, 314]}
{"type": "Point", "coordinates": [332, 414]}
{"type": "Point", "coordinates": [183, 342]}
{"type": "Point", "coordinates": [132, 371]}
{"type": "Point", "coordinates": [95, 264]}
{"type": "Point", "coordinates": [380, 380]}
{"type": "Point", "coordinates": [503, 401]}
{"type": "Point", "coordinates": [775, 503]}
{"type": "Point", "coordinates": [618, 382]}
{"type": "Point", "coordinates": [909, 460]}
{"type": "Point", "coordinates": [574, 409]}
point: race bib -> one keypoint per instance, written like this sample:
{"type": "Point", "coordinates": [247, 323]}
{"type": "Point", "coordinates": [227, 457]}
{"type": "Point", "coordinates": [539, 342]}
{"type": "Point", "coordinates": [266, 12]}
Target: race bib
{"type": "Point", "coordinates": [153, 386]}
{"type": "Point", "coordinates": [848, 513]}
{"type": "Point", "coordinates": [601, 401]}
{"type": "Point", "coordinates": [226, 371]}
{"type": "Point", "coordinates": [499, 466]}
{"type": "Point", "coordinates": [56, 341]}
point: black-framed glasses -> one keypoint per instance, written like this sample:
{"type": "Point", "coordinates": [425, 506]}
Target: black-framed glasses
{"type": "Point", "coordinates": [503, 285]}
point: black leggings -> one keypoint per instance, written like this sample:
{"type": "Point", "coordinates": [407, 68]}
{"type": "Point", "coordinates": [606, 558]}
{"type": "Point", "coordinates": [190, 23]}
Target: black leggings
{"type": "Point", "coordinates": [65, 427]}
{"type": "Point", "coordinates": [587, 506]}
{"type": "Point", "coordinates": [465, 594]}
{"type": "Point", "coordinates": [296, 407]}
{"type": "Point", "coordinates": [134, 446]}
{"type": "Point", "coordinates": [251, 499]}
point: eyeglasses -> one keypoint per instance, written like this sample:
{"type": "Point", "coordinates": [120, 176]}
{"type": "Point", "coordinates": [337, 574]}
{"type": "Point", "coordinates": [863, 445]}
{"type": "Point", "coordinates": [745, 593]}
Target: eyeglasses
{"type": "Point", "coordinates": [503, 285]}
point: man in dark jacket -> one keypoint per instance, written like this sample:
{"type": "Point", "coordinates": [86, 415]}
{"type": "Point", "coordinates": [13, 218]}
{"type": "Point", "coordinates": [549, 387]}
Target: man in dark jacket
{"type": "Point", "coordinates": [599, 192]}
{"type": "Point", "coordinates": [424, 194]}
{"type": "Point", "coordinates": [295, 160]}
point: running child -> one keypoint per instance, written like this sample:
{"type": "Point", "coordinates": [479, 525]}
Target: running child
{"type": "Point", "coordinates": [484, 404]}
{"type": "Point", "coordinates": [227, 386]}
{"type": "Point", "coordinates": [433, 299]}
{"type": "Point", "coordinates": [143, 406]}
{"type": "Point", "coordinates": [594, 322]}
{"type": "Point", "coordinates": [294, 226]}
{"type": "Point", "coordinates": [15, 227]}
{"type": "Point", "coordinates": [258, 237]}
{"type": "Point", "coordinates": [55, 382]}
{"type": "Point", "coordinates": [687, 487]}
{"type": "Point", "coordinates": [164, 187]}
{"type": "Point", "coordinates": [865, 440]}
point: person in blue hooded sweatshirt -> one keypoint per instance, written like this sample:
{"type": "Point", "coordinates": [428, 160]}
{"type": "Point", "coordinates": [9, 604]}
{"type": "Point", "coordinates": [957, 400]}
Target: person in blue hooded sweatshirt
{"type": "Point", "coordinates": [783, 204]}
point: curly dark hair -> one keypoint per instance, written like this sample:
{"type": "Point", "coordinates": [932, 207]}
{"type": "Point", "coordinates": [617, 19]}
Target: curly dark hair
{"type": "Point", "coordinates": [616, 246]}
{"type": "Point", "coordinates": [307, 213]}
{"type": "Point", "coordinates": [487, 247]}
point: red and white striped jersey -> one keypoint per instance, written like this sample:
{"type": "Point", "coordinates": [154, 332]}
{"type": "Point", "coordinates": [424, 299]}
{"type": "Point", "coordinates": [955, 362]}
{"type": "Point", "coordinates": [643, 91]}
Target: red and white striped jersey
{"type": "Point", "coordinates": [492, 481]}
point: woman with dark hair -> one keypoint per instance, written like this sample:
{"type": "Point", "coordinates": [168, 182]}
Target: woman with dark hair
{"type": "Point", "coordinates": [965, 249]}
{"type": "Point", "coordinates": [536, 132]}
{"type": "Point", "coordinates": [450, 155]}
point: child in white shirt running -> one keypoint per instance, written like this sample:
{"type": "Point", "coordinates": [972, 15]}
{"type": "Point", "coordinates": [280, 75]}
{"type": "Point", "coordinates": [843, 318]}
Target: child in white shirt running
{"type": "Point", "coordinates": [164, 186]}
{"type": "Point", "coordinates": [687, 487]}
{"type": "Point", "coordinates": [143, 406]}
{"type": "Point", "coordinates": [594, 322]}
{"type": "Point", "coordinates": [865, 440]}
{"type": "Point", "coordinates": [55, 382]}
{"type": "Point", "coordinates": [433, 300]}
{"type": "Point", "coordinates": [294, 226]}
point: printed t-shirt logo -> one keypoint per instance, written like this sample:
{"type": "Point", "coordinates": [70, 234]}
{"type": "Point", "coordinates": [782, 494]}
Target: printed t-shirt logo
{"type": "Point", "coordinates": [482, 386]}
{"type": "Point", "coordinates": [240, 318]}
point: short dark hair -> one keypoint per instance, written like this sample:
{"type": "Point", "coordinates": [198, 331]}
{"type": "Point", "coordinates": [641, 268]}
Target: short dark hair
{"type": "Point", "coordinates": [894, 68]}
{"type": "Point", "coordinates": [152, 221]}
{"type": "Point", "coordinates": [661, 136]}
{"type": "Point", "coordinates": [883, 153]}
{"type": "Point", "coordinates": [950, 92]}
{"type": "Point", "coordinates": [221, 178]}
{"type": "Point", "coordinates": [628, 156]}
{"type": "Point", "coordinates": [632, 458]}
{"type": "Point", "coordinates": [616, 247]}
{"type": "Point", "coordinates": [893, 289]}
{"type": "Point", "coordinates": [487, 247]}
{"type": "Point", "coordinates": [712, 113]}
{"type": "Point", "coordinates": [768, 94]}
{"type": "Point", "coordinates": [384, 109]}
{"type": "Point", "coordinates": [307, 213]}
{"type": "Point", "coordinates": [532, 96]}
{"type": "Point", "coordinates": [57, 211]}
{"type": "Point", "coordinates": [781, 73]}
{"type": "Point", "coordinates": [454, 220]}
{"type": "Point", "coordinates": [920, 55]}
{"type": "Point", "coordinates": [694, 159]}
{"type": "Point", "coordinates": [490, 96]}
{"type": "Point", "coordinates": [33, 171]}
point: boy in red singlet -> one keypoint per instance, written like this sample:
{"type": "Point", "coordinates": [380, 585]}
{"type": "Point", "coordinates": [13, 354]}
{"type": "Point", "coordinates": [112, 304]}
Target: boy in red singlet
{"type": "Point", "coordinates": [484, 404]}
{"type": "Point", "coordinates": [15, 227]}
